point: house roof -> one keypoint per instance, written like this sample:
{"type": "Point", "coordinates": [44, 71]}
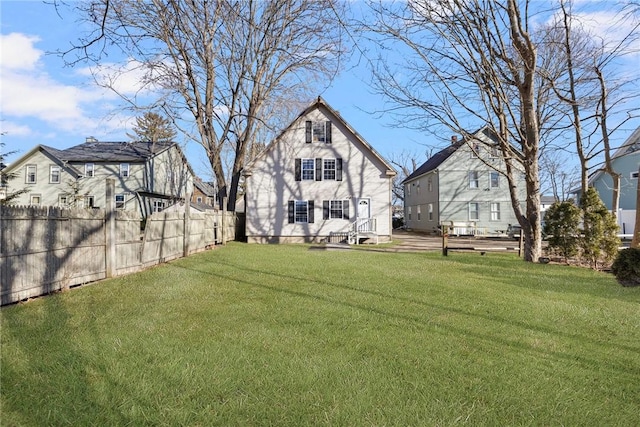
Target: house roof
{"type": "Point", "coordinates": [207, 188]}
{"type": "Point", "coordinates": [316, 104]}
{"type": "Point", "coordinates": [437, 159]}
{"type": "Point", "coordinates": [630, 146]}
{"type": "Point", "coordinates": [99, 151]}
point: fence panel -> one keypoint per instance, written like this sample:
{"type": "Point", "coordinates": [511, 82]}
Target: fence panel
{"type": "Point", "coordinates": [44, 249]}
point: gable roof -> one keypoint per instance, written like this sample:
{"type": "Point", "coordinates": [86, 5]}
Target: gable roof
{"type": "Point", "coordinates": [436, 160]}
{"type": "Point", "coordinates": [631, 145]}
{"type": "Point", "coordinates": [390, 171]}
{"type": "Point", "coordinates": [205, 187]}
{"type": "Point", "coordinates": [99, 151]}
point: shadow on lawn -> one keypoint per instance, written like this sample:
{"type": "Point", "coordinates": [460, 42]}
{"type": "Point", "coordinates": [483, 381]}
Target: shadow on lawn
{"type": "Point", "coordinates": [439, 326]}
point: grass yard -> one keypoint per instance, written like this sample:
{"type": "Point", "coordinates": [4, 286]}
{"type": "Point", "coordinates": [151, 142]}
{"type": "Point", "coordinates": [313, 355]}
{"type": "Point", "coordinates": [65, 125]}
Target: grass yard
{"type": "Point", "coordinates": [284, 335]}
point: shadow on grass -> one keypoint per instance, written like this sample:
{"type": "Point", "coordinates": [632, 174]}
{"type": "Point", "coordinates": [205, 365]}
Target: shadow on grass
{"type": "Point", "coordinates": [441, 327]}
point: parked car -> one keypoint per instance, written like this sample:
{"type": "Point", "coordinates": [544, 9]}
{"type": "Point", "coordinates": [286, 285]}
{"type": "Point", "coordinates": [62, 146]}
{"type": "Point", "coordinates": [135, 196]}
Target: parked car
{"type": "Point", "coordinates": [513, 231]}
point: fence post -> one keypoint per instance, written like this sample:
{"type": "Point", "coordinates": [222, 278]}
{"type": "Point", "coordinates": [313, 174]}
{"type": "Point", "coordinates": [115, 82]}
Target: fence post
{"type": "Point", "coordinates": [445, 241]}
{"type": "Point", "coordinates": [224, 221]}
{"type": "Point", "coordinates": [187, 226]}
{"type": "Point", "coordinates": [110, 228]}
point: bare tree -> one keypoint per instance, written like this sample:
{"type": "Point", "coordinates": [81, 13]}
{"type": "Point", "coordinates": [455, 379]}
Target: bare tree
{"type": "Point", "coordinates": [468, 63]}
{"type": "Point", "coordinates": [219, 64]}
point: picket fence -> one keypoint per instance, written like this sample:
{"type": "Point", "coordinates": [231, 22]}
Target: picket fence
{"type": "Point", "coordinates": [46, 249]}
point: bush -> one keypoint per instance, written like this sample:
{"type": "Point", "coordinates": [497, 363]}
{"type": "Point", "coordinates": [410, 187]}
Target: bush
{"type": "Point", "coordinates": [561, 225]}
{"type": "Point", "coordinates": [600, 241]}
{"type": "Point", "coordinates": [626, 267]}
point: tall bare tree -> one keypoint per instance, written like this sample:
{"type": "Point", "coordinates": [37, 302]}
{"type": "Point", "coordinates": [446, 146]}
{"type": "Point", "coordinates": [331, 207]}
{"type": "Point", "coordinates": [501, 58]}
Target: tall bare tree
{"type": "Point", "coordinates": [220, 64]}
{"type": "Point", "coordinates": [466, 63]}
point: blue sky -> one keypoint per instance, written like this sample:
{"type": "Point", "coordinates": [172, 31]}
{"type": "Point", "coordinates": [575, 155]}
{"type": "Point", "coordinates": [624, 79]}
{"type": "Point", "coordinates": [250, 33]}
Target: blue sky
{"type": "Point", "coordinates": [45, 102]}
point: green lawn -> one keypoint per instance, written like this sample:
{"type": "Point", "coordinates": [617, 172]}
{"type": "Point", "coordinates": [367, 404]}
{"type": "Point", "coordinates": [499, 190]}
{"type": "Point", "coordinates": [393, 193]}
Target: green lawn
{"type": "Point", "coordinates": [283, 335]}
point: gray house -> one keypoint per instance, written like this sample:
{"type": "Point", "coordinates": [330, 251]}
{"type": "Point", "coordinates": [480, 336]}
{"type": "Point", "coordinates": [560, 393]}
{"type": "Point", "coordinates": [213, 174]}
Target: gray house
{"type": "Point", "coordinates": [462, 186]}
{"type": "Point", "coordinates": [148, 176]}
{"type": "Point", "coordinates": [626, 161]}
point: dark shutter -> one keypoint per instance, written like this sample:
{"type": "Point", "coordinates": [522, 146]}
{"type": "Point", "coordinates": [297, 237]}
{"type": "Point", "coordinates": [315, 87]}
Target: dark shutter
{"type": "Point", "coordinates": [292, 211]}
{"type": "Point", "coordinates": [310, 202]}
{"type": "Point", "coordinates": [298, 169]}
{"type": "Point", "coordinates": [308, 126]}
{"type": "Point", "coordinates": [345, 209]}
{"type": "Point", "coordinates": [318, 169]}
{"type": "Point", "coordinates": [328, 132]}
{"type": "Point", "coordinates": [338, 169]}
{"type": "Point", "coordinates": [325, 209]}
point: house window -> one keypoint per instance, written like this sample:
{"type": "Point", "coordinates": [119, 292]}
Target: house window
{"type": "Point", "coordinates": [158, 206]}
{"type": "Point", "coordinates": [31, 173]}
{"type": "Point", "coordinates": [418, 188]}
{"type": "Point", "coordinates": [89, 202]}
{"type": "Point", "coordinates": [419, 212]}
{"type": "Point", "coordinates": [88, 170]}
{"type": "Point", "coordinates": [54, 174]}
{"type": "Point", "coordinates": [495, 211]}
{"type": "Point", "coordinates": [300, 211]}
{"type": "Point", "coordinates": [409, 213]}
{"type": "Point", "coordinates": [494, 180]}
{"type": "Point", "coordinates": [474, 182]}
{"type": "Point", "coordinates": [335, 209]}
{"type": "Point", "coordinates": [429, 185]}
{"type": "Point", "coordinates": [430, 211]}
{"type": "Point", "coordinates": [318, 132]}
{"type": "Point", "coordinates": [474, 211]}
{"type": "Point", "coordinates": [199, 199]}
{"type": "Point", "coordinates": [495, 152]}
{"type": "Point", "coordinates": [124, 169]}
{"type": "Point", "coordinates": [119, 201]}
{"type": "Point", "coordinates": [35, 200]}
{"type": "Point", "coordinates": [308, 169]}
{"type": "Point", "coordinates": [634, 175]}
{"type": "Point", "coordinates": [63, 200]}
{"type": "Point", "coordinates": [408, 189]}
{"type": "Point", "coordinates": [329, 169]}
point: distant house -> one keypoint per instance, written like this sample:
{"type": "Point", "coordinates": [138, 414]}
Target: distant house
{"type": "Point", "coordinates": [626, 162]}
{"type": "Point", "coordinates": [318, 180]}
{"type": "Point", "coordinates": [462, 186]}
{"type": "Point", "coordinates": [204, 193]}
{"type": "Point", "coordinates": [148, 176]}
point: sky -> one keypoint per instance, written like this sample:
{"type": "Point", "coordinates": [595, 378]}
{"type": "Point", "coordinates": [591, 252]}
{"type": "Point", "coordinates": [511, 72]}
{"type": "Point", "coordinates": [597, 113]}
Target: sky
{"type": "Point", "coordinates": [42, 101]}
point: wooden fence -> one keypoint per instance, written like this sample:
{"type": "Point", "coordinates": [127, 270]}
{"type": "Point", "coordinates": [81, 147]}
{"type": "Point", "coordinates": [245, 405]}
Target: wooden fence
{"type": "Point", "coordinates": [45, 249]}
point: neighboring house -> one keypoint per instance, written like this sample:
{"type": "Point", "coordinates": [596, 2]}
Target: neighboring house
{"type": "Point", "coordinates": [148, 176]}
{"type": "Point", "coordinates": [318, 181]}
{"type": "Point", "coordinates": [204, 193]}
{"type": "Point", "coordinates": [462, 185]}
{"type": "Point", "coordinates": [626, 162]}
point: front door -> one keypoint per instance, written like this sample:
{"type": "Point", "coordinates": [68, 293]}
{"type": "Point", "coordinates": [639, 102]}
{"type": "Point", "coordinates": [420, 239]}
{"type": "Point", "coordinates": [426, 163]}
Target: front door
{"type": "Point", "coordinates": [364, 214]}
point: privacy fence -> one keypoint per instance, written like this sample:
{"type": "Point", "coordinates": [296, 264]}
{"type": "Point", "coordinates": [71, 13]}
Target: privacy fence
{"type": "Point", "coordinates": [44, 249]}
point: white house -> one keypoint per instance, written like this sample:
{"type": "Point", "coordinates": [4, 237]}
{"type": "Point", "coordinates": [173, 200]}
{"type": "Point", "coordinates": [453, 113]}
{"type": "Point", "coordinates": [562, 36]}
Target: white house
{"type": "Point", "coordinates": [319, 180]}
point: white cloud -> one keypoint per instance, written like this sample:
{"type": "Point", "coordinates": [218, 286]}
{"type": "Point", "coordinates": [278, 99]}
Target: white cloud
{"type": "Point", "coordinates": [18, 52]}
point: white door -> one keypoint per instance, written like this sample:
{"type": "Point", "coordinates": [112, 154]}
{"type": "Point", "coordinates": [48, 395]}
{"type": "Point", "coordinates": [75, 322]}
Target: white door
{"type": "Point", "coordinates": [364, 214]}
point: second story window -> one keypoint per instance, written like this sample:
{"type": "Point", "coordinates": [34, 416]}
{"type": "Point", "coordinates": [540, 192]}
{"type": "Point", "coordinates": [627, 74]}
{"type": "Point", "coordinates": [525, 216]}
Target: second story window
{"type": "Point", "coordinates": [308, 169]}
{"type": "Point", "coordinates": [119, 201]}
{"type": "Point", "coordinates": [54, 174]}
{"type": "Point", "coordinates": [88, 170]}
{"type": "Point", "coordinates": [473, 179]}
{"type": "Point", "coordinates": [329, 168]}
{"type": "Point", "coordinates": [124, 169]}
{"type": "Point", "coordinates": [429, 185]}
{"type": "Point", "coordinates": [31, 174]}
{"type": "Point", "coordinates": [494, 180]}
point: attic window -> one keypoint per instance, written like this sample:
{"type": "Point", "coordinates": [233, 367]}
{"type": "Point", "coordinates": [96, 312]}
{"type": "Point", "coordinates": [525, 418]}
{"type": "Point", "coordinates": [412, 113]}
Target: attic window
{"type": "Point", "coordinates": [124, 169]}
{"type": "Point", "coordinates": [634, 175]}
{"type": "Point", "coordinates": [317, 132]}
